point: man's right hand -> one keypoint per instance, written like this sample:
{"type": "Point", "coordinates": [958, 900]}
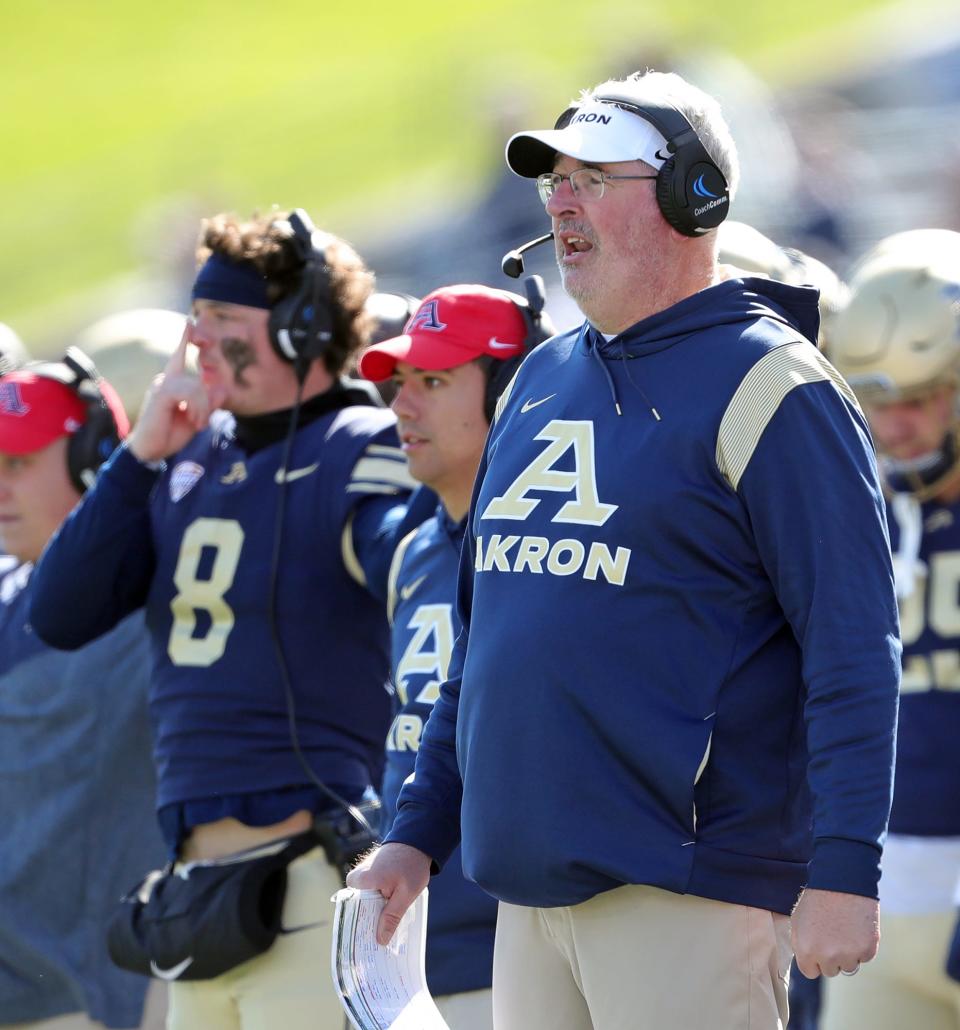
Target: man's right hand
{"type": "Point", "coordinates": [177, 406]}
{"type": "Point", "coordinates": [399, 872]}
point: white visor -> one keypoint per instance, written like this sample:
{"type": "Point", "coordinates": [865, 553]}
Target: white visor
{"type": "Point", "coordinates": [598, 133]}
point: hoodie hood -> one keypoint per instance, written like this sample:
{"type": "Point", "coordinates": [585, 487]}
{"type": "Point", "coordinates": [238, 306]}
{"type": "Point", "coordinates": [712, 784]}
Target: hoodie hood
{"type": "Point", "coordinates": [728, 303]}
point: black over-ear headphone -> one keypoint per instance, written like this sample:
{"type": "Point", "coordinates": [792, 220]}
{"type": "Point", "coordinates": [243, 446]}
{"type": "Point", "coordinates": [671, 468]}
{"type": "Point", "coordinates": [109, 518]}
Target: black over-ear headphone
{"type": "Point", "coordinates": [93, 442]}
{"type": "Point", "coordinates": [692, 192]}
{"type": "Point", "coordinates": [539, 328]}
{"type": "Point", "coordinates": [301, 323]}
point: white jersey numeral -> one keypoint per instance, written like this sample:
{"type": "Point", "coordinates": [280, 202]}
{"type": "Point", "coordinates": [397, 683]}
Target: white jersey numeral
{"type": "Point", "coordinates": [586, 508]}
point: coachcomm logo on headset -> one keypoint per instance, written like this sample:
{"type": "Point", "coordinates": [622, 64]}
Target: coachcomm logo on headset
{"type": "Point", "coordinates": [701, 191]}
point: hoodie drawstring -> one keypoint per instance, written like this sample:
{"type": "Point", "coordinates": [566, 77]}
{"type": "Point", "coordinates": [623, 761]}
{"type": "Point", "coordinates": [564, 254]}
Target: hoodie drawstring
{"type": "Point", "coordinates": [635, 384]}
{"type": "Point", "coordinates": [591, 345]}
{"type": "Point", "coordinates": [598, 357]}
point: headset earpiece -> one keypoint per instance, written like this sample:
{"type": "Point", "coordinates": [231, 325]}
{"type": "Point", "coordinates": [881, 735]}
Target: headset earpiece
{"type": "Point", "coordinates": [300, 325]}
{"type": "Point", "coordinates": [539, 328]}
{"type": "Point", "coordinates": [91, 444]}
{"type": "Point", "coordinates": [692, 191]}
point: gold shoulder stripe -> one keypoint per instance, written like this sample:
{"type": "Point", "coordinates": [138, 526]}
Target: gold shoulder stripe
{"type": "Point", "coordinates": [760, 394]}
{"type": "Point", "coordinates": [350, 560]}
{"type": "Point", "coordinates": [504, 397]}
{"type": "Point", "coordinates": [394, 574]}
{"type": "Point", "coordinates": [380, 450]}
{"type": "Point", "coordinates": [384, 471]}
{"type": "Point", "coordinates": [365, 487]}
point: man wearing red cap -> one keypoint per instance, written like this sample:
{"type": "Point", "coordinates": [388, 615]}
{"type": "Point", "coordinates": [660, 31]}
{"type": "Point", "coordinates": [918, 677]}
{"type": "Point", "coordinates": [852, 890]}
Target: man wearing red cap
{"type": "Point", "coordinates": [460, 349]}
{"type": "Point", "coordinates": [72, 727]}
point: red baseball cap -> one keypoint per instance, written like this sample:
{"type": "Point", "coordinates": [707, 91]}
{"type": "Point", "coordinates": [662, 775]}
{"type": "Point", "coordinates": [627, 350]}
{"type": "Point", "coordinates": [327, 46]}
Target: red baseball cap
{"type": "Point", "coordinates": [35, 411]}
{"type": "Point", "coordinates": [452, 325]}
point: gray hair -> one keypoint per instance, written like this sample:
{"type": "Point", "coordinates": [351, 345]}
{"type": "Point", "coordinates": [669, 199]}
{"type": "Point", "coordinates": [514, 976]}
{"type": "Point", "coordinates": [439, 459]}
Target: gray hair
{"type": "Point", "coordinates": [700, 109]}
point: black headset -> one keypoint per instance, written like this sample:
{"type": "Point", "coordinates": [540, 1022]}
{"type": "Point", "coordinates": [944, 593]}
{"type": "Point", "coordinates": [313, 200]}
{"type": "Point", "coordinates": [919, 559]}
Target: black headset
{"type": "Point", "coordinates": [692, 192]}
{"type": "Point", "coordinates": [301, 322]}
{"type": "Point", "coordinates": [539, 328]}
{"type": "Point", "coordinates": [93, 442]}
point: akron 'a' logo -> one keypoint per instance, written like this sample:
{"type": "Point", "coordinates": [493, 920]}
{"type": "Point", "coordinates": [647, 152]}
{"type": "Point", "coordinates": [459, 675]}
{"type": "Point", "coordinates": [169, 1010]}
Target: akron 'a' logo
{"type": "Point", "coordinates": [539, 554]}
{"type": "Point", "coordinates": [427, 653]}
{"type": "Point", "coordinates": [423, 667]}
{"type": "Point", "coordinates": [585, 508]}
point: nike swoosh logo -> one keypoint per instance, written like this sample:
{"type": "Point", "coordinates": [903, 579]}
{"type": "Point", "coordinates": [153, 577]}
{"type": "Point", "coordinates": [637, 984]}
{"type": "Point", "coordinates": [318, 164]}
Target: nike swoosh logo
{"type": "Point", "coordinates": [293, 474]}
{"type": "Point", "coordinates": [174, 971]}
{"type": "Point", "coordinates": [494, 344]}
{"type": "Point", "coordinates": [528, 405]}
{"type": "Point", "coordinates": [407, 591]}
{"type": "Point", "coordinates": [662, 157]}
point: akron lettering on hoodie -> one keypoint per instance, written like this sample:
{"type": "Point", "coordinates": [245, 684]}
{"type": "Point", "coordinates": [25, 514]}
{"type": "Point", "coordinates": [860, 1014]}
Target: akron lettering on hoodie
{"type": "Point", "coordinates": [538, 554]}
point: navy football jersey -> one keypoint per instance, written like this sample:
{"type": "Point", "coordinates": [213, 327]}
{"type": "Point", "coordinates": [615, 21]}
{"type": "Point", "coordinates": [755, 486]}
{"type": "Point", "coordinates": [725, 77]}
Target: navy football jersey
{"type": "Point", "coordinates": [461, 918]}
{"type": "Point", "coordinates": [217, 694]}
{"type": "Point", "coordinates": [196, 544]}
{"type": "Point", "coordinates": [926, 794]}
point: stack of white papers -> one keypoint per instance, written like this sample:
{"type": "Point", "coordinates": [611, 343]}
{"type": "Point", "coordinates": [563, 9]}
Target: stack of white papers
{"type": "Point", "coordinates": [381, 988]}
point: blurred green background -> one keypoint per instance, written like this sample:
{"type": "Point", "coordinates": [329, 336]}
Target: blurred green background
{"type": "Point", "coordinates": [119, 119]}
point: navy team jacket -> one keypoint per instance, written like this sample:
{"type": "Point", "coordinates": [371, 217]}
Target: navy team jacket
{"type": "Point", "coordinates": [680, 657]}
{"type": "Point", "coordinates": [461, 918]}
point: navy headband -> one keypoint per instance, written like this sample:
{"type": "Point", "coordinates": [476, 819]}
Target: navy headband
{"type": "Point", "coordinates": [231, 282]}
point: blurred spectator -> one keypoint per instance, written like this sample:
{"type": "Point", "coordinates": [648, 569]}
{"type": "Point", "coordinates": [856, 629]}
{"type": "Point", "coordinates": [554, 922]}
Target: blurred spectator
{"type": "Point", "coordinates": [76, 779]}
{"type": "Point", "coordinates": [130, 348]}
{"type": "Point", "coordinates": [12, 351]}
{"type": "Point", "coordinates": [390, 313]}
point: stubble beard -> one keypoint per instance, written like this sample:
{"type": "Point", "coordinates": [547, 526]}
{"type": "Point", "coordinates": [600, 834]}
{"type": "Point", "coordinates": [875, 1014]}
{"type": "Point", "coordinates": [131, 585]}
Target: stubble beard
{"type": "Point", "coordinates": [579, 288]}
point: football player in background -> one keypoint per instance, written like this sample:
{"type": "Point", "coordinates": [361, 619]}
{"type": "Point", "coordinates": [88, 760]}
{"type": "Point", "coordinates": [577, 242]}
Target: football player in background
{"type": "Point", "coordinates": [744, 250]}
{"type": "Point", "coordinates": [390, 312]}
{"type": "Point", "coordinates": [132, 347]}
{"type": "Point", "coordinates": [248, 512]}
{"type": "Point", "coordinates": [897, 342]}
{"type": "Point", "coordinates": [460, 350]}
{"type": "Point", "coordinates": [12, 351]}
{"type": "Point", "coordinates": [76, 771]}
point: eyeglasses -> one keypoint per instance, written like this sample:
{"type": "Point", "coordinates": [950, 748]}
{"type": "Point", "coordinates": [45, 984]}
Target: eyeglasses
{"type": "Point", "coordinates": [586, 183]}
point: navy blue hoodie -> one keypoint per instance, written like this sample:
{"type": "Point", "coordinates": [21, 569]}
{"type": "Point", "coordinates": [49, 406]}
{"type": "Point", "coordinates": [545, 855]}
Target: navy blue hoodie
{"type": "Point", "coordinates": [680, 656]}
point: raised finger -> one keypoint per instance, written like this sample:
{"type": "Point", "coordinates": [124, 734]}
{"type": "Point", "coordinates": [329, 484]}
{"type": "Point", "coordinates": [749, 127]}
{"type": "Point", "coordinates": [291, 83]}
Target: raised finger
{"type": "Point", "coordinates": [177, 362]}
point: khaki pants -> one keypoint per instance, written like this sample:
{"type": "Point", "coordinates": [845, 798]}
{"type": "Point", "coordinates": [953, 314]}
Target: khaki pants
{"type": "Point", "coordinates": [640, 958]}
{"type": "Point", "coordinates": [288, 987]}
{"type": "Point", "coordinates": [470, 1010]}
{"type": "Point", "coordinates": [154, 1015]}
{"type": "Point", "coordinates": [904, 987]}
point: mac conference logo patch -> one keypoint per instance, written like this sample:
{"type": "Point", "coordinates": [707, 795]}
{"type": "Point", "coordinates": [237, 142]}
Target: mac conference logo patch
{"type": "Point", "coordinates": [183, 479]}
